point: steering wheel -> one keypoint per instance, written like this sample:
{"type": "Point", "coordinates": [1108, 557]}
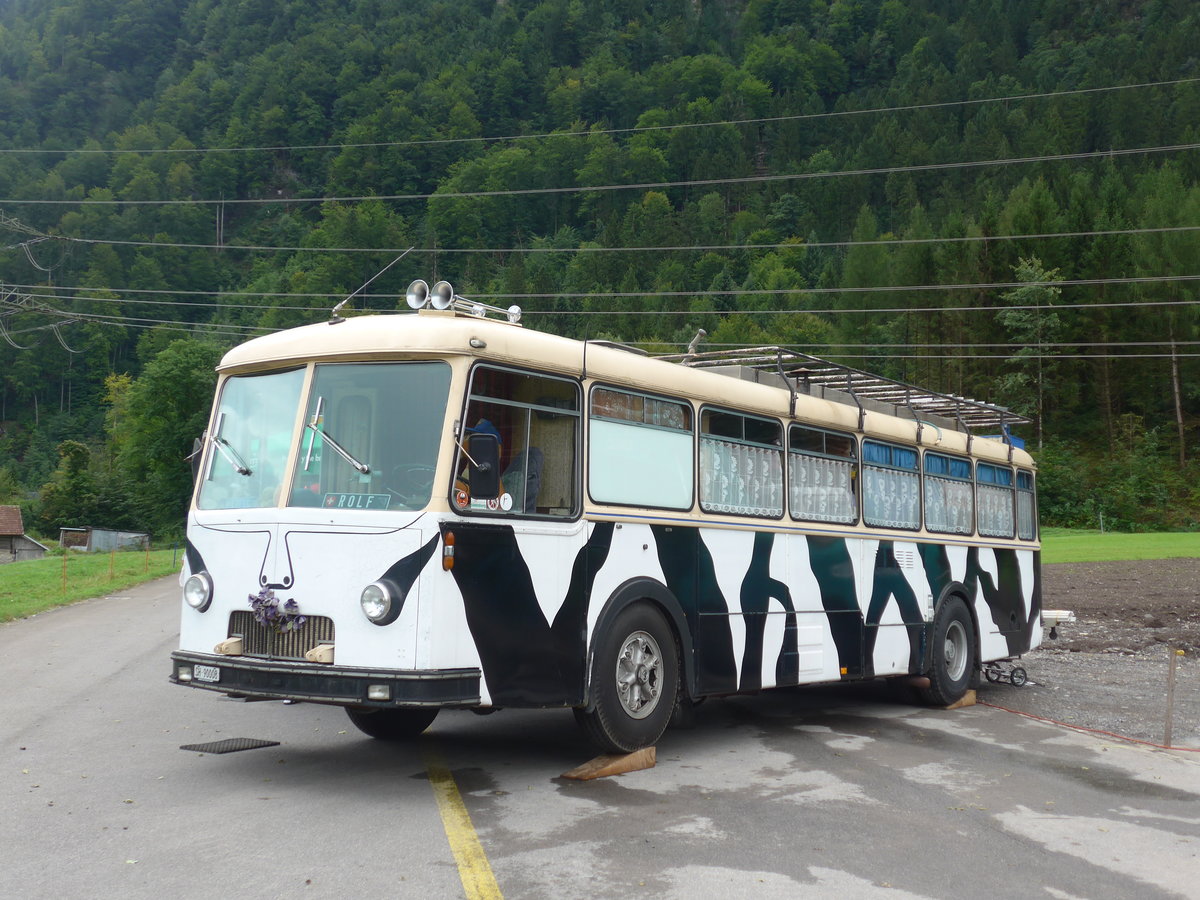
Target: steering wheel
{"type": "Point", "coordinates": [410, 483]}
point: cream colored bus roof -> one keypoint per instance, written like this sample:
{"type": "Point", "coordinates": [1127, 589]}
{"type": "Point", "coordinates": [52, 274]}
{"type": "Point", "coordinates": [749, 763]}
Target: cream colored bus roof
{"type": "Point", "coordinates": [431, 333]}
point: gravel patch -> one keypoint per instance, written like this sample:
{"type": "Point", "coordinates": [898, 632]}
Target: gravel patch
{"type": "Point", "coordinates": [1109, 671]}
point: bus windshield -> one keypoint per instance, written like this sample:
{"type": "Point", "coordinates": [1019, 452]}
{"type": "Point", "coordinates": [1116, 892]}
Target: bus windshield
{"type": "Point", "coordinates": [249, 439]}
{"type": "Point", "coordinates": [371, 434]}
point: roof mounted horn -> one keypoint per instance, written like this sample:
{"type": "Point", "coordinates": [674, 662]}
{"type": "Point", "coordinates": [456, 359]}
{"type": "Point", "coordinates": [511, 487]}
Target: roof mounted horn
{"type": "Point", "coordinates": [441, 297]}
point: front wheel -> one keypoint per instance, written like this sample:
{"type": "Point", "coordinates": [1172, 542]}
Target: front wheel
{"type": "Point", "coordinates": [392, 724]}
{"type": "Point", "coordinates": [952, 658]}
{"type": "Point", "coordinates": [635, 677]}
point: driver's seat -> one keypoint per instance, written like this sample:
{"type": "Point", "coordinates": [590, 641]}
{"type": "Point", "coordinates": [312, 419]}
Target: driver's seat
{"type": "Point", "coordinates": [524, 491]}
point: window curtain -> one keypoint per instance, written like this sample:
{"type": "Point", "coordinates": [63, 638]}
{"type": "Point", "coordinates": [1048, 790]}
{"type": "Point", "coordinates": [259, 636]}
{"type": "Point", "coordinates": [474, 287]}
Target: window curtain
{"type": "Point", "coordinates": [821, 490]}
{"type": "Point", "coordinates": [891, 497]}
{"type": "Point", "coordinates": [738, 478]}
{"type": "Point", "coordinates": [995, 511]}
{"type": "Point", "coordinates": [949, 506]}
{"type": "Point", "coordinates": [1025, 519]}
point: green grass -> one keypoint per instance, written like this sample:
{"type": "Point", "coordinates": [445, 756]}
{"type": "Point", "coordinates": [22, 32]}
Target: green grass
{"type": "Point", "coordinates": [1060, 545]}
{"type": "Point", "coordinates": [35, 585]}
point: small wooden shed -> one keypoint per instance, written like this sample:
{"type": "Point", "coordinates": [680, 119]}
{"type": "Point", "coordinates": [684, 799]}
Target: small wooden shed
{"type": "Point", "coordinates": [102, 540]}
{"type": "Point", "coordinates": [15, 545]}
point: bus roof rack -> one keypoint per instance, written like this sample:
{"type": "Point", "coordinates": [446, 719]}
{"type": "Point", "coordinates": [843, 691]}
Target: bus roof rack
{"type": "Point", "coordinates": [809, 374]}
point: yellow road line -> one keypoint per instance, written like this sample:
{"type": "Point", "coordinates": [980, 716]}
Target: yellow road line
{"type": "Point", "coordinates": [473, 867]}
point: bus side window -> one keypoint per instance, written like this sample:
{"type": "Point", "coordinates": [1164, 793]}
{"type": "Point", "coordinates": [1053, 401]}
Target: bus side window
{"type": "Point", "coordinates": [536, 419]}
{"type": "Point", "coordinates": [639, 450]}
{"type": "Point", "coordinates": [1026, 506]}
{"type": "Point", "coordinates": [822, 475]}
{"type": "Point", "coordinates": [741, 464]}
{"type": "Point", "coordinates": [949, 500]}
{"type": "Point", "coordinates": [994, 486]}
{"type": "Point", "coordinates": [891, 486]}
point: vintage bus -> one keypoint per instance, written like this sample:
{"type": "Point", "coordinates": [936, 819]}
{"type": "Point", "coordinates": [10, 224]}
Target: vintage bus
{"type": "Point", "coordinates": [445, 509]}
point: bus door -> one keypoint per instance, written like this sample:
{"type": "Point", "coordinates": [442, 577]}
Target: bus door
{"type": "Point", "coordinates": [520, 558]}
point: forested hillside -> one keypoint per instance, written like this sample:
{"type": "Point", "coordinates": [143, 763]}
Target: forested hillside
{"type": "Point", "coordinates": [995, 198]}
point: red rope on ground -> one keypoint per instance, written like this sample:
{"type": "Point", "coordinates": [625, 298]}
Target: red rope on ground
{"type": "Point", "coordinates": [1083, 728]}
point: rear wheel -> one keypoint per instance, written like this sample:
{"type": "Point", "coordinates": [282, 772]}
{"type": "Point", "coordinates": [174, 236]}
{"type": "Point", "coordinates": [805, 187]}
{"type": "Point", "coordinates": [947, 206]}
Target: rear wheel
{"type": "Point", "coordinates": [391, 724]}
{"type": "Point", "coordinates": [953, 660]}
{"type": "Point", "coordinates": [635, 677]}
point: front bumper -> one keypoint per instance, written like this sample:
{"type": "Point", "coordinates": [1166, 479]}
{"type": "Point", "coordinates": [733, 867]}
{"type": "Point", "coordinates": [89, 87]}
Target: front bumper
{"type": "Point", "coordinates": [316, 683]}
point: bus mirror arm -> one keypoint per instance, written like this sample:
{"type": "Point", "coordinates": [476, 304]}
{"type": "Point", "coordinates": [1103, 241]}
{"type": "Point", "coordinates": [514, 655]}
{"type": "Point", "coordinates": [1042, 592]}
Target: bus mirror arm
{"type": "Point", "coordinates": [195, 456]}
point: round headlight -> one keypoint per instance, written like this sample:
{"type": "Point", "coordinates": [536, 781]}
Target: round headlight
{"type": "Point", "coordinates": [376, 601]}
{"type": "Point", "coordinates": [197, 591]}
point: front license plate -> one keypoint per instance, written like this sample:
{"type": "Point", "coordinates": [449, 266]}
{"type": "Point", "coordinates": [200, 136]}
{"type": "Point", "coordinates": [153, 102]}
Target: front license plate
{"type": "Point", "coordinates": [210, 674]}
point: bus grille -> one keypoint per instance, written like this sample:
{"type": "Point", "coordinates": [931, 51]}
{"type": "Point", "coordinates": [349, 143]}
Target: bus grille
{"type": "Point", "coordinates": [258, 640]}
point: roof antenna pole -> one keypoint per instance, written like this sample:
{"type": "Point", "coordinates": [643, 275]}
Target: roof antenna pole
{"type": "Point", "coordinates": [334, 318]}
{"type": "Point", "coordinates": [862, 413]}
{"type": "Point", "coordinates": [790, 386]}
{"type": "Point", "coordinates": [963, 425]}
{"type": "Point", "coordinates": [908, 401]}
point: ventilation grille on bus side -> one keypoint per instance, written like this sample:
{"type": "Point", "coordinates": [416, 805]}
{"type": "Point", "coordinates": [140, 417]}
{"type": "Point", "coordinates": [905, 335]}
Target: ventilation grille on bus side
{"type": "Point", "coordinates": [258, 640]}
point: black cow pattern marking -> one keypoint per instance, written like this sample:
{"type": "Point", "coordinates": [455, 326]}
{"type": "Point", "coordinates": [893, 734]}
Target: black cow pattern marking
{"type": "Point", "coordinates": [890, 583]}
{"type": "Point", "coordinates": [526, 660]}
{"type": "Point", "coordinates": [830, 561]}
{"type": "Point", "coordinates": [530, 661]}
{"type": "Point", "coordinates": [758, 590]}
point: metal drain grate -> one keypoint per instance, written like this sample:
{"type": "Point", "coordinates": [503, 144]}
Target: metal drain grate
{"type": "Point", "coordinates": [230, 745]}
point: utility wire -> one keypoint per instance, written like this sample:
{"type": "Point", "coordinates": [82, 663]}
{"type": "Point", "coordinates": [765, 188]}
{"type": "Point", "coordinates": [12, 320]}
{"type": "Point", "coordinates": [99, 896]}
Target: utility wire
{"type": "Point", "coordinates": [948, 345]}
{"type": "Point", "coordinates": [699, 248]}
{"type": "Point", "coordinates": [141, 321]}
{"type": "Point", "coordinates": [637, 186]}
{"type": "Point", "coordinates": [318, 309]}
{"type": "Point", "coordinates": [829, 350]}
{"type": "Point", "coordinates": [609, 131]}
{"type": "Point", "coordinates": [1058, 307]}
{"type": "Point", "coordinates": [833, 350]}
{"type": "Point", "coordinates": [868, 289]}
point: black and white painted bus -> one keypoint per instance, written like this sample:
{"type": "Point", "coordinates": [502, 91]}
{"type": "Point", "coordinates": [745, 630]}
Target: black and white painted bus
{"type": "Point", "coordinates": [445, 509]}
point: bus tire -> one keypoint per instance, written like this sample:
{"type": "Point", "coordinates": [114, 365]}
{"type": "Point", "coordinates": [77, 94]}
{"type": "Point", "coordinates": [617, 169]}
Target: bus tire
{"type": "Point", "coordinates": [952, 660]}
{"type": "Point", "coordinates": [392, 724]}
{"type": "Point", "coordinates": [635, 679]}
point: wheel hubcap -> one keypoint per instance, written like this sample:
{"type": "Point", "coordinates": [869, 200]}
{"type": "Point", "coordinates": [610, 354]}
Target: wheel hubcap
{"type": "Point", "coordinates": [955, 651]}
{"type": "Point", "coordinates": [639, 674]}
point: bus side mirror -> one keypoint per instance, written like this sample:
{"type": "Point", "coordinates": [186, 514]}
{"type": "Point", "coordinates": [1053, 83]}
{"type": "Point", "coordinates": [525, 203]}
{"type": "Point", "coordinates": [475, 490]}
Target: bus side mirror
{"type": "Point", "coordinates": [484, 478]}
{"type": "Point", "coordinates": [194, 459]}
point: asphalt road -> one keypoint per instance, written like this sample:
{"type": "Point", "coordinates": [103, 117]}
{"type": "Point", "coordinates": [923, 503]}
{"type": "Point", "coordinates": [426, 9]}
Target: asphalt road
{"type": "Point", "coordinates": [797, 794]}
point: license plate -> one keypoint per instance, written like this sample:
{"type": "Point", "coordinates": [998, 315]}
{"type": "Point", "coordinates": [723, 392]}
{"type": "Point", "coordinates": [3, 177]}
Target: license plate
{"type": "Point", "coordinates": [210, 674]}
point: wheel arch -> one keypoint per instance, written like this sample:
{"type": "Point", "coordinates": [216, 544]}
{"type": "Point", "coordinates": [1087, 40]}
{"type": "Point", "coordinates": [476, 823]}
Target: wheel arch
{"type": "Point", "coordinates": [953, 589]}
{"type": "Point", "coordinates": [638, 590]}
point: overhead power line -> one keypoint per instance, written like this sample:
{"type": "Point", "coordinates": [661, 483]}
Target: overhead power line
{"type": "Point", "coordinates": [1059, 307]}
{"type": "Point", "coordinates": [830, 350]}
{"type": "Point", "coordinates": [646, 185]}
{"type": "Point", "coordinates": [143, 321]}
{"type": "Point", "coordinates": [417, 142]}
{"type": "Point", "coordinates": [679, 248]}
{"type": "Point", "coordinates": [827, 349]}
{"type": "Point", "coordinates": [868, 289]}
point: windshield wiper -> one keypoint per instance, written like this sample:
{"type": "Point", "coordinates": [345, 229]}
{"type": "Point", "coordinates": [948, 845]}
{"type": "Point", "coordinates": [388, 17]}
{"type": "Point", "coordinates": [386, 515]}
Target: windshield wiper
{"type": "Point", "coordinates": [341, 451]}
{"type": "Point", "coordinates": [227, 451]}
